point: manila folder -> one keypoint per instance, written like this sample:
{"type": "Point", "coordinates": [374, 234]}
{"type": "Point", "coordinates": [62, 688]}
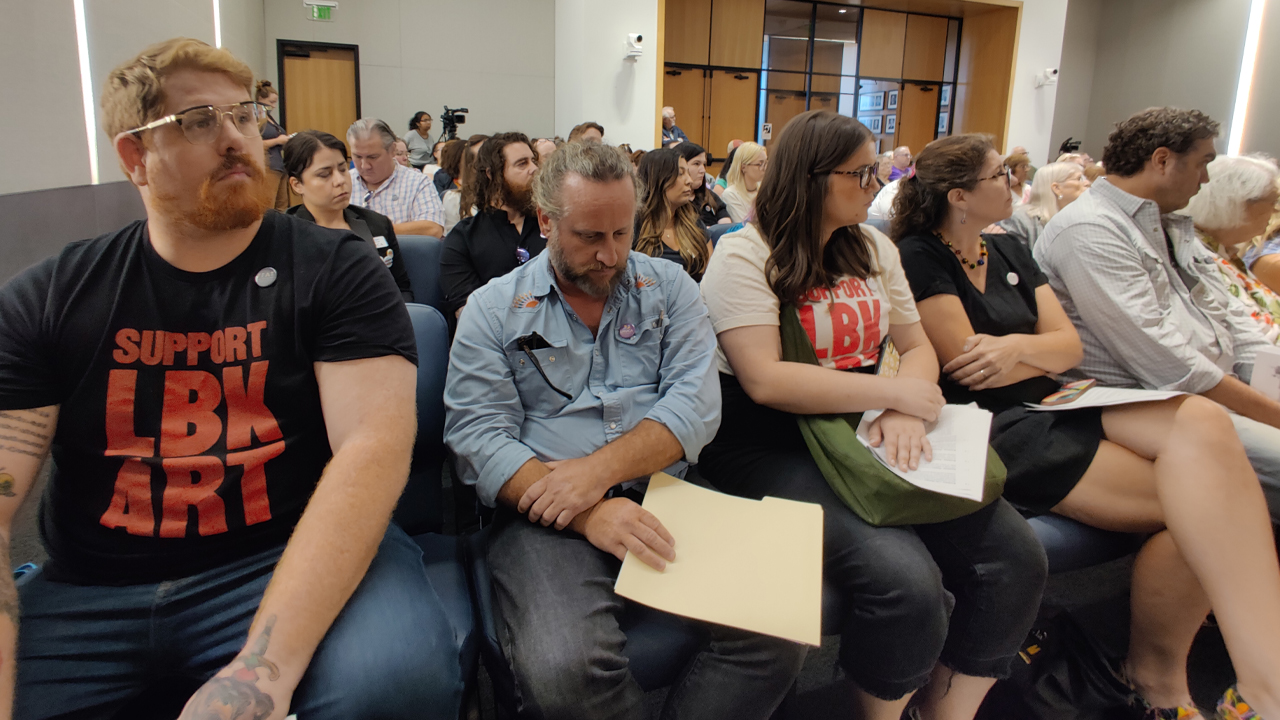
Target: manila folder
{"type": "Point", "coordinates": [749, 564]}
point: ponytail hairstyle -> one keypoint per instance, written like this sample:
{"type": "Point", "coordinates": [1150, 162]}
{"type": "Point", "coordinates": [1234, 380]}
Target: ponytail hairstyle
{"type": "Point", "coordinates": [921, 205]}
{"type": "Point", "coordinates": [790, 202]}
{"type": "Point", "coordinates": [658, 170]}
{"type": "Point", "coordinates": [263, 90]}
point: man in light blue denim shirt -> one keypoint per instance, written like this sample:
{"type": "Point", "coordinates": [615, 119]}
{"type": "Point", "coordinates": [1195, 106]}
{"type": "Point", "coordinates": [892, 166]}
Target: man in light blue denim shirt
{"type": "Point", "coordinates": [571, 380]}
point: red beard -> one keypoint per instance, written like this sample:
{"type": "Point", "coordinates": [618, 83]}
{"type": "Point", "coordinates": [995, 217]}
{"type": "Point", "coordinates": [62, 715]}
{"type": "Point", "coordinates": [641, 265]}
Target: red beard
{"type": "Point", "coordinates": [225, 207]}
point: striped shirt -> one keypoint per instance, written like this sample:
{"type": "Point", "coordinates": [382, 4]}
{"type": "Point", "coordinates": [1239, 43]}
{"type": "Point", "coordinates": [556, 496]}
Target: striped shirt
{"type": "Point", "coordinates": [1146, 320]}
{"type": "Point", "coordinates": [406, 196]}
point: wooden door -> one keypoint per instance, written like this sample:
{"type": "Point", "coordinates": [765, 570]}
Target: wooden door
{"type": "Point", "coordinates": [917, 116]}
{"type": "Point", "coordinates": [926, 48]}
{"type": "Point", "coordinates": [319, 88]}
{"type": "Point", "coordinates": [684, 90]}
{"type": "Point", "coordinates": [780, 108]}
{"type": "Point", "coordinates": [732, 109]}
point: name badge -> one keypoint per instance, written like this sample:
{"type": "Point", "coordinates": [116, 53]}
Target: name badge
{"type": "Point", "coordinates": [379, 241]}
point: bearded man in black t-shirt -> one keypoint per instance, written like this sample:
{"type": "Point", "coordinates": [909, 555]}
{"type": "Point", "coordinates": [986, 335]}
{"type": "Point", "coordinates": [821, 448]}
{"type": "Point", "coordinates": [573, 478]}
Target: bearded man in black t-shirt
{"type": "Point", "coordinates": [229, 400]}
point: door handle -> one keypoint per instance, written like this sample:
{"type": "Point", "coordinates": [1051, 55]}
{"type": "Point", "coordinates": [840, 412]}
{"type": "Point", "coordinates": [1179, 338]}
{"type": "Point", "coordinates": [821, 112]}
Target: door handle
{"type": "Point", "coordinates": [740, 76]}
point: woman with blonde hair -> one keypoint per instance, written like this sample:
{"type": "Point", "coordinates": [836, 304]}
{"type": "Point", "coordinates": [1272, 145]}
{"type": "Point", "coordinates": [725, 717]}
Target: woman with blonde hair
{"type": "Point", "coordinates": [1019, 163]}
{"type": "Point", "coordinates": [743, 180]}
{"type": "Point", "coordinates": [1231, 211]}
{"type": "Point", "coordinates": [1055, 186]}
{"type": "Point", "coordinates": [667, 223]}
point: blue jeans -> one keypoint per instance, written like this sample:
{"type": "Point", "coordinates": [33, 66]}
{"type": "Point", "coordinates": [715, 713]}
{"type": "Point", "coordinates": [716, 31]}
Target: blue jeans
{"type": "Point", "coordinates": [85, 651]}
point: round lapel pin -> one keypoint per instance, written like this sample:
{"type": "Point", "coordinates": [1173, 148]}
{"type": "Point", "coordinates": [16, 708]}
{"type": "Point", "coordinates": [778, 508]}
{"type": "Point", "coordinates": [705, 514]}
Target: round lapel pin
{"type": "Point", "coordinates": [627, 332]}
{"type": "Point", "coordinates": [266, 277]}
{"type": "Point", "coordinates": [1012, 278]}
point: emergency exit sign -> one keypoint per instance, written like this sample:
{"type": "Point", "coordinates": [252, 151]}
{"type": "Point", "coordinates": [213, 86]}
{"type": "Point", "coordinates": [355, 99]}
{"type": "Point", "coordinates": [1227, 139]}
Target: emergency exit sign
{"type": "Point", "coordinates": [320, 12]}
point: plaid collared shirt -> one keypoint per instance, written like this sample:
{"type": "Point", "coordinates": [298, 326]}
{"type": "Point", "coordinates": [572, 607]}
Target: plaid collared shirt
{"type": "Point", "coordinates": [1145, 320]}
{"type": "Point", "coordinates": [406, 196]}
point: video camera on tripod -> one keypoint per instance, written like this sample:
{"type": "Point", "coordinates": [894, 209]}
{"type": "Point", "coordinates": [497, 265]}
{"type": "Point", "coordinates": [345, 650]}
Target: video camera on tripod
{"type": "Point", "coordinates": [451, 119]}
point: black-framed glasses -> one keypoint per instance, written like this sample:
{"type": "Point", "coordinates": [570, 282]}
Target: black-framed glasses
{"type": "Point", "coordinates": [864, 175]}
{"type": "Point", "coordinates": [202, 124]}
{"type": "Point", "coordinates": [1006, 172]}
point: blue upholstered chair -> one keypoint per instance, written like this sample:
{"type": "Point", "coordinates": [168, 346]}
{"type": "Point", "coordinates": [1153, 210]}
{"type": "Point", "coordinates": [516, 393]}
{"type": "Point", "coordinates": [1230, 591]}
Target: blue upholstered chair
{"type": "Point", "coordinates": [420, 511]}
{"type": "Point", "coordinates": [421, 255]}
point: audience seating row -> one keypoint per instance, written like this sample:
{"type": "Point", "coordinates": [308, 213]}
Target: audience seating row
{"type": "Point", "coordinates": [658, 645]}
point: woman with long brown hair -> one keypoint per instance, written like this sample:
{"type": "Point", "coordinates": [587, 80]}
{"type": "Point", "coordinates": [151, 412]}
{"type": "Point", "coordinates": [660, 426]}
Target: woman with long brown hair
{"type": "Point", "coordinates": [807, 261]}
{"type": "Point", "coordinates": [1175, 468]}
{"type": "Point", "coordinates": [667, 224]}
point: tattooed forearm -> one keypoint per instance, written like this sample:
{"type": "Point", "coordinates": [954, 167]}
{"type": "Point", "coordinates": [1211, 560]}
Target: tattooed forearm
{"type": "Point", "coordinates": [8, 591]}
{"type": "Point", "coordinates": [238, 697]}
{"type": "Point", "coordinates": [34, 421]}
{"type": "Point", "coordinates": [23, 451]}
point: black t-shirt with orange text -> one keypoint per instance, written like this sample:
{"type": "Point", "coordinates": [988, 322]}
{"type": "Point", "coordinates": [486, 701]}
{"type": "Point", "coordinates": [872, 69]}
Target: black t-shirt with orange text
{"type": "Point", "coordinates": [190, 432]}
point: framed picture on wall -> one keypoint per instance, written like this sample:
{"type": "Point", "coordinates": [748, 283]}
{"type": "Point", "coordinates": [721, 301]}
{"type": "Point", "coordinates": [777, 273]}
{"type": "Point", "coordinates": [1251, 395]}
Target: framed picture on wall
{"type": "Point", "coordinates": [893, 100]}
{"type": "Point", "coordinates": [878, 150]}
{"type": "Point", "coordinates": [872, 122]}
{"type": "Point", "coordinates": [890, 124]}
{"type": "Point", "coordinates": [871, 101]}
{"type": "Point", "coordinates": [943, 118]}
{"type": "Point", "coordinates": [946, 96]}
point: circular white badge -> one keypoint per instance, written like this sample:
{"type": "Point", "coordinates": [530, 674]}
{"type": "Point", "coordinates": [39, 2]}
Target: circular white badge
{"type": "Point", "coordinates": [266, 277]}
{"type": "Point", "coordinates": [1012, 278]}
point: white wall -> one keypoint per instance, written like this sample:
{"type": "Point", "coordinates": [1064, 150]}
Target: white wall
{"type": "Point", "coordinates": [43, 142]}
{"type": "Point", "coordinates": [595, 80]}
{"type": "Point", "coordinates": [494, 57]}
{"type": "Point", "coordinates": [1075, 86]}
{"type": "Point", "coordinates": [1032, 108]}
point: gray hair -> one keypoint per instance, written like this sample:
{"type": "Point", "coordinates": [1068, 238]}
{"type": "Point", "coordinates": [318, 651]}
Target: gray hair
{"type": "Point", "coordinates": [1043, 204]}
{"type": "Point", "coordinates": [591, 160]}
{"type": "Point", "coordinates": [364, 127]}
{"type": "Point", "coordinates": [1233, 181]}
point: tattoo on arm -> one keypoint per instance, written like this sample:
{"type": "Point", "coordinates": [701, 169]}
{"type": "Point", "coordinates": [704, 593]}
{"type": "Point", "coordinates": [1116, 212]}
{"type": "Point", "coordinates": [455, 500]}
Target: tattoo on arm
{"type": "Point", "coordinates": [237, 696]}
{"type": "Point", "coordinates": [26, 432]}
{"type": "Point", "coordinates": [8, 591]}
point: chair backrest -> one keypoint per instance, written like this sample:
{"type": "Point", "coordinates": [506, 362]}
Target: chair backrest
{"type": "Point", "coordinates": [421, 255]}
{"type": "Point", "coordinates": [421, 507]}
{"type": "Point", "coordinates": [880, 224]}
{"type": "Point", "coordinates": [715, 232]}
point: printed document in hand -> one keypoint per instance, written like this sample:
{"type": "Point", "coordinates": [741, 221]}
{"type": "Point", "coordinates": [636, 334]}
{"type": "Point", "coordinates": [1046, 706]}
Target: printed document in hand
{"type": "Point", "coordinates": [1107, 396]}
{"type": "Point", "coordinates": [959, 439]}
{"type": "Point", "coordinates": [749, 564]}
{"type": "Point", "coordinates": [1266, 372]}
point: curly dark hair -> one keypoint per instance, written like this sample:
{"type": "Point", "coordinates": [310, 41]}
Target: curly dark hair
{"type": "Point", "coordinates": [945, 164]}
{"type": "Point", "coordinates": [1133, 141]}
{"type": "Point", "coordinates": [486, 185]}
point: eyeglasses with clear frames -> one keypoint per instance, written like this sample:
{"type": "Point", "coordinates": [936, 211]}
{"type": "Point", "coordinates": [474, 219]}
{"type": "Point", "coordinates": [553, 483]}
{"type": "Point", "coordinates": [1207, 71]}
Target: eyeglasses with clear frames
{"type": "Point", "coordinates": [201, 125]}
{"type": "Point", "coordinates": [864, 175]}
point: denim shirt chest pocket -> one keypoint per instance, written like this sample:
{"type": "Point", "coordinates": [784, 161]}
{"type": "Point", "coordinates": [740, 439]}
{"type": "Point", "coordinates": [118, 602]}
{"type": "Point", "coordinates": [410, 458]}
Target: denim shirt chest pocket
{"type": "Point", "coordinates": [638, 347]}
{"type": "Point", "coordinates": [546, 368]}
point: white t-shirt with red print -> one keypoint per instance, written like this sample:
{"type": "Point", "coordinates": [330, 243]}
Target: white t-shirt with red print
{"type": "Point", "coordinates": [846, 323]}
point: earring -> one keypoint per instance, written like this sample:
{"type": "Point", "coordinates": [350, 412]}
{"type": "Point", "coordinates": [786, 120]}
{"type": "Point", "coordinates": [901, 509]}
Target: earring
{"type": "Point", "coordinates": [1059, 197]}
{"type": "Point", "coordinates": [964, 217]}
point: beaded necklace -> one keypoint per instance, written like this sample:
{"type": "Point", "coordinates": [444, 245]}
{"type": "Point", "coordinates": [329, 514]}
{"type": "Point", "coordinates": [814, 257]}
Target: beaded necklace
{"type": "Point", "coordinates": [982, 253]}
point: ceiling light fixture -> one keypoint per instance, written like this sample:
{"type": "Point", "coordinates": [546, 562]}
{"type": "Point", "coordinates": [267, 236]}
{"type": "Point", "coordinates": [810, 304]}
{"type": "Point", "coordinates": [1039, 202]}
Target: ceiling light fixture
{"type": "Point", "coordinates": [1245, 85]}
{"type": "Point", "coordinates": [86, 90]}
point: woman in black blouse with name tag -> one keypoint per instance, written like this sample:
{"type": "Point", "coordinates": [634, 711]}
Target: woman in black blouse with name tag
{"type": "Point", "coordinates": [1174, 468]}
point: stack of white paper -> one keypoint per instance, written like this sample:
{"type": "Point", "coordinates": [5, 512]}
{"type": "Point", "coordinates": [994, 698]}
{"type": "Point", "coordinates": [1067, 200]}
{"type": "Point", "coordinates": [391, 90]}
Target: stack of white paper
{"type": "Point", "coordinates": [959, 440]}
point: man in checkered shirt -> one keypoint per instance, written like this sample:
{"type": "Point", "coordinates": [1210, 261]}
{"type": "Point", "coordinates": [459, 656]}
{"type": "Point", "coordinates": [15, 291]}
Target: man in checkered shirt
{"type": "Point", "coordinates": [1144, 291]}
{"type": "Point", "coordinates": [384, 186]}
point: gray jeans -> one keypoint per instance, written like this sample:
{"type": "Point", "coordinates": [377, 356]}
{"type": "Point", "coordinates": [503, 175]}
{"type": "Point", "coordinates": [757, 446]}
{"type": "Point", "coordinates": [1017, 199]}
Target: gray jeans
{"type": "Point", "coordinates": [1262, 445]}
{"type": "Point", "coordinates": [559, 630]}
